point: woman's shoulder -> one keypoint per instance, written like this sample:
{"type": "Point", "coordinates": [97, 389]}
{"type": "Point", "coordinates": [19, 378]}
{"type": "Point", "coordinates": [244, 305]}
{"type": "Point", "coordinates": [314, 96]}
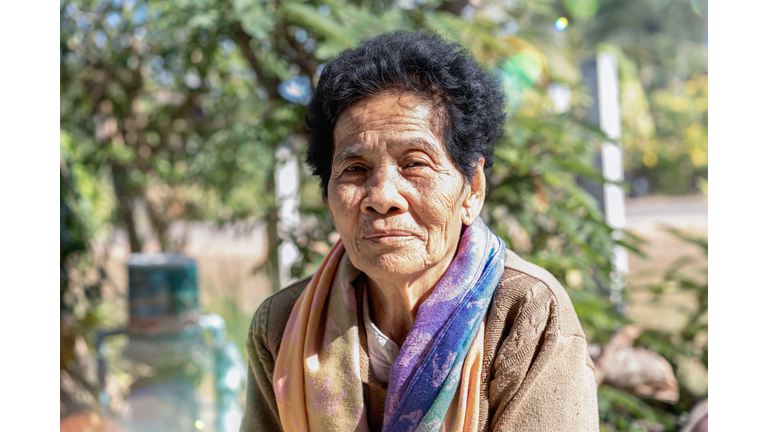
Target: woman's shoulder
{"type": "Point", "coordinates": [535, 348]}
{"type": "Point", "coordinates": [269, 321]}
{"type": "Point", "coordinates": [526, 285]}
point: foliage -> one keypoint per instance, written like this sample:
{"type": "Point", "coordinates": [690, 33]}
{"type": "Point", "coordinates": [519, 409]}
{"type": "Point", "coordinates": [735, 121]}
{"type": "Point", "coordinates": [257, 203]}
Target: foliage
{"type": "Point", "coordinates": [167, 109]}
{"type": "Point", "coordinates": [662, 50]}
{"type": "Point", "coordinates": [687, 348]}
{"type": "Point", "coordinates": [80, 295]}
{"type": "Point", "coordinates": [674, 159]}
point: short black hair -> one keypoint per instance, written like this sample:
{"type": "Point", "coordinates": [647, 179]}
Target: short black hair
{"type": "Point", "coordinates": [471, 104]}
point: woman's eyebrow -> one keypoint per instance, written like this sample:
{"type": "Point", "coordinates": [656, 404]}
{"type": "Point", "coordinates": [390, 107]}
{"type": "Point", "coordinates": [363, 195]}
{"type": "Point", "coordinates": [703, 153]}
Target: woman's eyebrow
{"type": "Point", "coordinates": [348, 153]}
{"type": "Point", "coordinates": [422, 143]}
{"type": "Point", "coordinates": [431, 148]}
{"type": "Point", "coordinates": [357, 150]}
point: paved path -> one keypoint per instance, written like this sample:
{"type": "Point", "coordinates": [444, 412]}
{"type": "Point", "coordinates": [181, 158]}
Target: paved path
{"type": "Point", "coordinates": [646, 217]}
{"type": "Point", "coordinates": [687, 213]}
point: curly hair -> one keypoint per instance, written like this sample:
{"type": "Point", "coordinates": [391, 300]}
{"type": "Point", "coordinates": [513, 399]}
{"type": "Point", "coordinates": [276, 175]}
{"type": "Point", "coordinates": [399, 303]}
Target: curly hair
{"type": "Point", "coordinates": [470, 105]}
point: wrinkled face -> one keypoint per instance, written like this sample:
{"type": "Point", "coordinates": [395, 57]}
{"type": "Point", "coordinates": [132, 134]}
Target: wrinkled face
{"type": "Point", "coordinates": [394, 195]}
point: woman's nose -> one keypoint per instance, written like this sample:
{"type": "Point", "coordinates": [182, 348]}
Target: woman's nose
{"type": "Point", "coordinates": [384, 192]}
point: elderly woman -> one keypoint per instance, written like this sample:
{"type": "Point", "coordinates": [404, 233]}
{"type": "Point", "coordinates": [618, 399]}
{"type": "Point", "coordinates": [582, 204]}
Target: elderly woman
{"type": "Point", "coordinates": [419, 318]}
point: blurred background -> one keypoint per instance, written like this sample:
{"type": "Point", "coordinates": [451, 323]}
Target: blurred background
{"type": "Point", "coordinates": [181, 133]}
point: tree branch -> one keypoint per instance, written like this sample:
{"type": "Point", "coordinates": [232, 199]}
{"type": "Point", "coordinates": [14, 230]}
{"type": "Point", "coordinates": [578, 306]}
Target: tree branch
{"type": "Point", "coordinates": [243, 41]}
{"type": "Point", "coordinates": [160, 226]}
{"type": "Point", "coordinates": [124, 204]}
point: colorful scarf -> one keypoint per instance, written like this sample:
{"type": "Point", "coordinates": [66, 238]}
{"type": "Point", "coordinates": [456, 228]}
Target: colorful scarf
{"type": "Point", "coordinates": [317, 379]}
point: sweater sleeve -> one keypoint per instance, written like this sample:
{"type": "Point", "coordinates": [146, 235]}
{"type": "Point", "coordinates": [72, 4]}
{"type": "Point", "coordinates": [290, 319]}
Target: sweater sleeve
{"type": "Point", "coordinates": [264, 338]}
{"type": "Point", "coordinates": [260, 412]}
{"type": "Point", "coordinates": [543, 379]}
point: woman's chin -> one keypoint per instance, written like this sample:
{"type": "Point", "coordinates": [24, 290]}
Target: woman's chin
{"type": "Point", "coordinates": [392, 261]}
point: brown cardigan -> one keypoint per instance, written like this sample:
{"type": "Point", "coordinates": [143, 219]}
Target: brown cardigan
{"type": "Point", "coordinates": [537, 375]}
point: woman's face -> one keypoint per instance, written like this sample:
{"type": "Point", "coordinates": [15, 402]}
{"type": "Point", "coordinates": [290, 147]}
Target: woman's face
{"type": "Point", "coordinates": [394, 195]}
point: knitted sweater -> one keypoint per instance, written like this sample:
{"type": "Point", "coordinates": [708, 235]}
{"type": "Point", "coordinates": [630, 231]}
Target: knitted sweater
{"type": "Point", "coordinates": [536, 376]}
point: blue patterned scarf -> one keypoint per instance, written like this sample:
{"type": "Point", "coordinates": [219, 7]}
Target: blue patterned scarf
{"type": "Point", "coordinates": [425, 376]}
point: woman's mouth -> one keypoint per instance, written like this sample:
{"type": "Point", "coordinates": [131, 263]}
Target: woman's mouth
{"type": "Point", "coordinates": [388, 236]}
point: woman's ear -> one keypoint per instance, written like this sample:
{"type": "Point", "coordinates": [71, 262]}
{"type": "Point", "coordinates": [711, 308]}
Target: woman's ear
{"type": "Point", "coordinates": [474, 200]}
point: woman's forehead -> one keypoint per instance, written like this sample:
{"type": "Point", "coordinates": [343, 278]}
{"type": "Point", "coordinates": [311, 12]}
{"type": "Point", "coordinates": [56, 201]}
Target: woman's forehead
{"type": "Point", "coordinates": [384, 108]}
{"type": "Point", "coordinates": [397, 118]}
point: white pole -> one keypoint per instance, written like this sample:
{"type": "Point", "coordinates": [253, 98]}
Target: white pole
{"type": "Point", "coordinates": [613, 168]}
{"type": "Point", "coordinates": [287, 190]}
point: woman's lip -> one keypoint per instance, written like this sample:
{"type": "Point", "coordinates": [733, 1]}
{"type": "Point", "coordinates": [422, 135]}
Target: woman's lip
{"type": "Point", "coordinates": [372, 235]}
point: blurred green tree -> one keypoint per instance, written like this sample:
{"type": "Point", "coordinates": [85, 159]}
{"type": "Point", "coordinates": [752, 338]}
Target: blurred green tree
{"type": "Point", "coordinates": [662, 48]}
{"type": "Point", "coordinates": [157, 99]}
{"type": "Point", "coordinates": [80, 295]}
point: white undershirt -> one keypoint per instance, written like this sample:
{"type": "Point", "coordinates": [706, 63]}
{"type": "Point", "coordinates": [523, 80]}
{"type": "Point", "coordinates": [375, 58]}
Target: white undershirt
{"type": "Point", "coordinates": [381, 349]}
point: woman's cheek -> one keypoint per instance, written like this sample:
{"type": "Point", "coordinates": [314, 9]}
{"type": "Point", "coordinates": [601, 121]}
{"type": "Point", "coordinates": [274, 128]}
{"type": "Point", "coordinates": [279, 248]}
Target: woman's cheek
{"type": "Point", "coordinates": [344, 195]}
{"type": "Point", "coordinates": [343, 208]}
{"type": "Point", "coordinates": [439, 203]}
{"type": "Point", "coordinates": [437, 223]}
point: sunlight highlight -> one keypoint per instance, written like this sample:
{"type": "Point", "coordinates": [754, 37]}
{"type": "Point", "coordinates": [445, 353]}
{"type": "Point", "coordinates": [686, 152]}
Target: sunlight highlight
{"type": "Point", "coordinates": [312, 363]}
{"type": "Point", "coordinates": [561, 24]}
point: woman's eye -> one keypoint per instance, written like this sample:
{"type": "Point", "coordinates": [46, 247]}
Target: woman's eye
{"type": "Point", "coordinates": [416, 164]}
{"type": "Point", "coordinates": [354, 168]}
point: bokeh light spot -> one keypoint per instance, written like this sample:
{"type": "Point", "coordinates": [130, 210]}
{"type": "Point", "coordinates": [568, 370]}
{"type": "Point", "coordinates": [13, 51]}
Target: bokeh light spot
{"type": "Point", "coordinates": [650, 159]}
{"type": "Point", "coordinates": [561, 24]}
{"type": "Point", "coordinates": [199, 424]}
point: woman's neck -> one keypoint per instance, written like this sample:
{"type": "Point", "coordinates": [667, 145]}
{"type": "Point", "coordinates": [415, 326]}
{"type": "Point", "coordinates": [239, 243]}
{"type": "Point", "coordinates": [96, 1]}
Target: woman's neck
{"type": "Point", "coordinates": [395, 303]}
